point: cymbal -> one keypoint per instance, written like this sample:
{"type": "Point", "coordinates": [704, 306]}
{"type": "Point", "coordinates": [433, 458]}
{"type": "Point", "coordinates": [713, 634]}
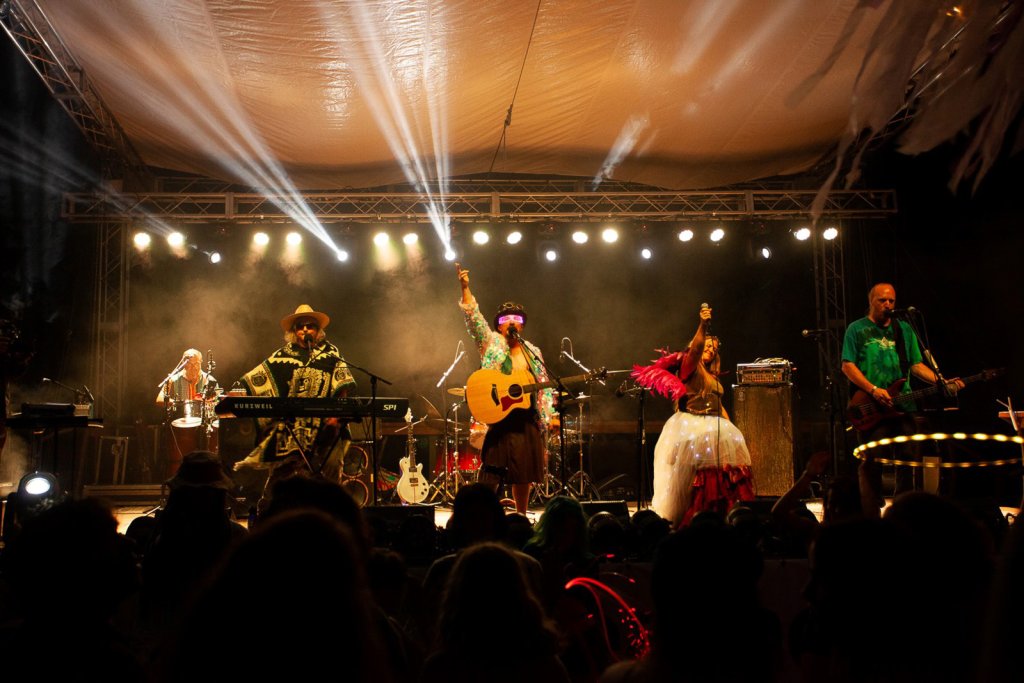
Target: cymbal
{"type": "Point", "coordinates": [431, 412]}
{"type": "Point", "coordinates": [582, 398]}
{"type": "Point", "coordinates": [457, 391]}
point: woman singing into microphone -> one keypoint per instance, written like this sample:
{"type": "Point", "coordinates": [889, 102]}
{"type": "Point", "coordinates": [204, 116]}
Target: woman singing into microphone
{"type": "Point", "coordinates": [701, 461]}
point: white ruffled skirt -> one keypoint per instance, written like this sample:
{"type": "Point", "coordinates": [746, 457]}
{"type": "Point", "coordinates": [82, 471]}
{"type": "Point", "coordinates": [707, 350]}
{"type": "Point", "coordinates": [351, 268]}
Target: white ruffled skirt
{"type": "Point", "coordinates": [690, 448]}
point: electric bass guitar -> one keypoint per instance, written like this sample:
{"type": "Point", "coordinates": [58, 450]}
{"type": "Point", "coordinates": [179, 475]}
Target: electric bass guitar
{"type": "Point", "coordinates": [492, 395]}
{"type": "Point", "coordinates": [412, 487]}
{"type": "Point", "coordinates": [864, 412]}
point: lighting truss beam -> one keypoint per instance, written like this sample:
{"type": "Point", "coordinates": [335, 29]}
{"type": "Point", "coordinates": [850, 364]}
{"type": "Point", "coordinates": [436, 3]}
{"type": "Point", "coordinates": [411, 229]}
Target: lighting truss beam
{"type": "Point", "coordinates": [36, 39]}
{"type": "Point", "coordinates": [414, 207]}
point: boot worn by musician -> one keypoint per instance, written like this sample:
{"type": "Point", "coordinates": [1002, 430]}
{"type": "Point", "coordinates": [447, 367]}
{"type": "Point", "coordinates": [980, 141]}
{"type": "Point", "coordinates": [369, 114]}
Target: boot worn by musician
{"type": "Point", "coordinates": [880, 354]}
{"type": "Point", "coordinates": [307, 366]}
{"type": "Point", "coordinates": [513, 449]}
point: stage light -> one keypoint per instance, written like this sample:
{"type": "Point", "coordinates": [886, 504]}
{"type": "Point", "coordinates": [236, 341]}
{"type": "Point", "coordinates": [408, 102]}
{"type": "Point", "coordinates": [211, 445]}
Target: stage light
{"type": "Point", "coordinates": [342, 255]}
{"type": "Point", "coordinates": [142, 240]}
{"type": "Point", "coordinates": [293, 238]}
{"type": "Point", "coordinates": [716, 235]}
{"type": "Point", "coordinates": [646, 253]}
{"type": "Point", "coordinates": [580, 237]}
{"type": "Point", "coordinates": [449, 254]}
{"type": "Point", "coordinates": [176, 239]}
{"type": "Point", "coordinates": [766, 253]}
{"type": "Point", "coordinates": [261, 239]}
{"type": "Point", "coordinates": [37, 484]}
{"type": "Point", "coordinates": [830, 233]}
{"type": "Point", "coordinates": [803, 234]}
{"type": "Point", "coordinates": [481, 237]}
{"type": "Point", "coordinates": [685, 235]}
{"type": "Point", "coordinates": [214, 257]}
{"type": "Point", "coordinates": [514, 237]}
{"type": "Point", "coordinates": [381, 239]}
{"type": "Point", "coordinates": [551, 255]}
{"type": "Point", "coordinates": [610, 235]}
{"type": "Point", "coordinates": [410, 238]}
{"type": "Point", "coordinates": [36, 492]}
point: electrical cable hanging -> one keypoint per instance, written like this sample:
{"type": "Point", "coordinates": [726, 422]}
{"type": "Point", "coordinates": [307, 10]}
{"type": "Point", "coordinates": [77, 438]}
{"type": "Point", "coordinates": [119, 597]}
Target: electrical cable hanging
{"type": "Point", "coordinates": [522, 68]}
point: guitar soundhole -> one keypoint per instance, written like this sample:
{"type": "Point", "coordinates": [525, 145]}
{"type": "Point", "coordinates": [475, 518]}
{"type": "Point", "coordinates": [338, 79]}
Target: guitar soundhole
{"type": "Point", "coordinates": [515, 391]}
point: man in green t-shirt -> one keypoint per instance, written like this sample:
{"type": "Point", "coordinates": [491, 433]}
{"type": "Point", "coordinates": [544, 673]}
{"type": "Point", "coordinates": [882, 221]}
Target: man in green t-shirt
{"type": "Point", "coordinates": [878, 350]}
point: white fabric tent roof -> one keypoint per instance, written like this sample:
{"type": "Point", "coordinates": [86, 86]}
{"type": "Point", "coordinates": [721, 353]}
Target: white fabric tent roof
{"type": "Point", "coordinates": [680, 94]}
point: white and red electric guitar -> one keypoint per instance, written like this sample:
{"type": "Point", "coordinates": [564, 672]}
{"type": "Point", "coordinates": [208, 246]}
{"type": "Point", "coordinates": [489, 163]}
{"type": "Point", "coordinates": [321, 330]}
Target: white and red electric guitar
{"type": "Point", "coordinates": [412, 486]}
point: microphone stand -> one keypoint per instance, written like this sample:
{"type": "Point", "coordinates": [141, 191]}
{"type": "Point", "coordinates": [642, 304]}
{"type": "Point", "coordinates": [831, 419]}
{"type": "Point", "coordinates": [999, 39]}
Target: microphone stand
{"type": "Point", "coordinates": [557, 381]}
{"type": "Point", "coordinates": [374, 378]}
{"type": "Point", "coordinates": [642, 480]}
{"type": "Point", "coordinates": [440, 382]}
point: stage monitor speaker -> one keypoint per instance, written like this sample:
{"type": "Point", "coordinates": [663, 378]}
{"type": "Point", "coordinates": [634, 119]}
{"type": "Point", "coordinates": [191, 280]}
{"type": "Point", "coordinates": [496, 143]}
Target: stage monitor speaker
{"type": "Point", "coordinates": [236, 440]}
{"type": "Point", "coordinates": [616, 507]}
{"type": "Point", "coordinates": [764, 413]}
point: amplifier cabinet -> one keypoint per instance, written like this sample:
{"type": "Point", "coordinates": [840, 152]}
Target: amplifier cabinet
{"type": "Point", "coordinates": [765, 416]}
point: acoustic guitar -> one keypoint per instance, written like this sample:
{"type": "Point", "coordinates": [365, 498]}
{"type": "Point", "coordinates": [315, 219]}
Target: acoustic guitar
{"type": "Point", "coordinates": [492, 395]}
{"type": "Point", "coordinates": [864, 412]}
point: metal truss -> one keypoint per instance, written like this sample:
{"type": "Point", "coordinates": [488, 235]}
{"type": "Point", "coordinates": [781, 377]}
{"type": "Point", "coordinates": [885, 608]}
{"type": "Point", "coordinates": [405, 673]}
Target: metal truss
{"type": "Point", "coordinates": [830, 309]}
{"type": "Point", "coordinates": [110, 359]}
{"type": "Point", "coordinates": [499, 204]}
{"type": "Point", "coordinates": [34, 36]}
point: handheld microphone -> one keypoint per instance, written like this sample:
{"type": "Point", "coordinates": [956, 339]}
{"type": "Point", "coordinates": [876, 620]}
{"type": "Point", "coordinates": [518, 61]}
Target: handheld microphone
{"type": "Point", "coordinates": [513, 333]}
{"type": "Point", "coordinates": [902, 312]}
{"type": "Point", "coordinates": [707, 325]}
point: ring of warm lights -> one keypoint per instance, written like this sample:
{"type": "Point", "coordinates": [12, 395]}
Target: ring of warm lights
{"type": "Point", "coordinates": [858, 452]}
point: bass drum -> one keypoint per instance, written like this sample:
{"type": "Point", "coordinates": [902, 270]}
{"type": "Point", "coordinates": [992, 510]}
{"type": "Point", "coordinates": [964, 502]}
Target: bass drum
{"type": "Point", "coordinates": [477, 434]}
{"type": "Point", "coordinates": [183, 440]}
{"type": "Point", "coordinates": [355, 476]}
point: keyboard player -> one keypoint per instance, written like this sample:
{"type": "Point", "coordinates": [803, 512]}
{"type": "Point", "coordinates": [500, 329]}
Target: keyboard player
{"type": "Point", "coordinates": [307, 366]}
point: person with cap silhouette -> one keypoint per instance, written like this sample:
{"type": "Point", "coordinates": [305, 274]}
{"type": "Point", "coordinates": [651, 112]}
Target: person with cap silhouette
{"type": "Point", "coordinates": [307, 366]}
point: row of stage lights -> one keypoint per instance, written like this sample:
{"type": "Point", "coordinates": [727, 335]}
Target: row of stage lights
{"type": "Point", "coordinates": [480, 237]}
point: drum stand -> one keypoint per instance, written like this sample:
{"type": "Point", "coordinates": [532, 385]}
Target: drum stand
{"type": "Point", "coordinates": [580, 486]}
{"type": "Point", "coordinates": [446, 484]}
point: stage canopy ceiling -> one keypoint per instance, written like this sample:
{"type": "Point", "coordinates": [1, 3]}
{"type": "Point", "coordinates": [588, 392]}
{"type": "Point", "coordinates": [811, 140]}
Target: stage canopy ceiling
{"type": "Point", "coordinates": [678, 94]}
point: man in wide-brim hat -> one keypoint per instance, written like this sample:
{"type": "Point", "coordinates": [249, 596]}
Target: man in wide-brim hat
{"type": "Point", "coordinates": [307, 366]}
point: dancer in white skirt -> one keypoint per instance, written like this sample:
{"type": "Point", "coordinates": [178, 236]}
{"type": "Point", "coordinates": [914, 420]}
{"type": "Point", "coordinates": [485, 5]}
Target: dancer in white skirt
{"type": "Point", "coordinates": [700, 461]}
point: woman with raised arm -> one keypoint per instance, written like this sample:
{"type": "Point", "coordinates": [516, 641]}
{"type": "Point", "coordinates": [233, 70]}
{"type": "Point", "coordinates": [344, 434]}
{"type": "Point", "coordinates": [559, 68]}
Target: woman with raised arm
{"type": "Point", "coordinates": [701, 461]}
{"type": "Point", "coordinates": [513, 450]}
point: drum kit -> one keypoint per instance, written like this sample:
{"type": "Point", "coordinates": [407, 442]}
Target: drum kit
{"type": "Point", "coordinates": [462, 441]}
{"type": "Point", "coordinates": [191, 422]}
{"type": "Point", "coordinates": [193, 426]}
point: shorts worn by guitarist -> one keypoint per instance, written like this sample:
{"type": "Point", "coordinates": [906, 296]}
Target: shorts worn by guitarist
{"type": "Point", "coordinates": [513, 450]}
{"type": "Point", "coordinates": [880, 351]}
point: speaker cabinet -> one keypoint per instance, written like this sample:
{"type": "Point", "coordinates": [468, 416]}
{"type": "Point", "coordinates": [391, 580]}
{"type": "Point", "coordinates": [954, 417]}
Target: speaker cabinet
{"type": "Point", "coordinates": [765, 416]}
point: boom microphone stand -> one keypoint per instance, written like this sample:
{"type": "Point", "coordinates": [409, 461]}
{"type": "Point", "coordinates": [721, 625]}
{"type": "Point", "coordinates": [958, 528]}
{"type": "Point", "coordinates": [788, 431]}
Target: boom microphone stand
{"type": "Point", "coordinates": [374, 378]}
